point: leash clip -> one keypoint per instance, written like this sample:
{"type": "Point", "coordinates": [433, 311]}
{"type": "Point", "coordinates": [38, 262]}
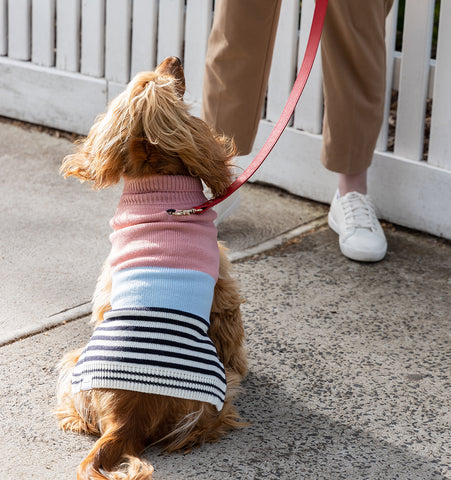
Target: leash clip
{"type": "Point", "coordinates": [179, 213]}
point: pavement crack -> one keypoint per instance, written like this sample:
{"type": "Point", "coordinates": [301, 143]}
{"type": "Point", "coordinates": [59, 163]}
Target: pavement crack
{"type": "Point", "coordinates": [69, 309]}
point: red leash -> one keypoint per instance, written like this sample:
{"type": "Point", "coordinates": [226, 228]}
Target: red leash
{"type": "Point", "coordinates": [301, 80]}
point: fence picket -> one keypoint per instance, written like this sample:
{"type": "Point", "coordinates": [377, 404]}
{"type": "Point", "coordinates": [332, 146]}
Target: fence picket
{"type": "Point", "coordinates": [19, 29]}
{"type": "Point", "coordinates": [43, 32]}
{"type": "Point", "coordinates": [170, 29]}
{"type": "Point", "coordinates": [308, 115]}
{"type": "Point", "coordinates": [390, 41]}
{"type": "Point", "coordinates": [93, 38]}
{"type": "Point", "coordinates": [440, 139]}
{"type": "Point", "coordinates": [68, 35]}
{"type": "Point", "coordinates": [117, 38]}
{"type": "Point", "coordinates": [197, 29]}
{"type": "Point", "coordinates": [283, 67]}
{"type": "Point", "coordinates": [144, 35]}
{"type": "Point", "coordinates": [414, 78]}
{"type": "Point", "coordinates": [3, 27]}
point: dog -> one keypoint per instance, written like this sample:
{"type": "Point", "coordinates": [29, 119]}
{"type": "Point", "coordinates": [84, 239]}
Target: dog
{"type": "Point", "coordinates": [167, 355]}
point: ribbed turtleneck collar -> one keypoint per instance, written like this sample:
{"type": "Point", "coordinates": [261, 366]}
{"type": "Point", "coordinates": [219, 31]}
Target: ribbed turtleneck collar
{"type": "Point", "coordinates": [171, 190]}
{"type": "Point", "coordinates": [162, 183]}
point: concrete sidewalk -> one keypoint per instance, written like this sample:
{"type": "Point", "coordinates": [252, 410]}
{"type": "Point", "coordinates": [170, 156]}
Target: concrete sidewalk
{"type": "Point", "coordinates": [349, 363]}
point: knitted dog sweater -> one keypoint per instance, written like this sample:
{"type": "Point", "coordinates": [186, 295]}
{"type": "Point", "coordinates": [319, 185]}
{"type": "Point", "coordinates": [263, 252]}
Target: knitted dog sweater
{"type": "Point", "coordinates": [164, 269]}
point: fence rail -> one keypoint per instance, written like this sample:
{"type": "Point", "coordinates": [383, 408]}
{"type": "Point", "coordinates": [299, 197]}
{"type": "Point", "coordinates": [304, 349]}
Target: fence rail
{"type": "Point", "coordinates": [62, 61]}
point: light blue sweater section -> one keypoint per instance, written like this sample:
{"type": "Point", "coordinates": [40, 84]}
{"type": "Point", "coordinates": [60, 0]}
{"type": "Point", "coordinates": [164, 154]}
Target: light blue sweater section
{"type": "Point", "coordinates": [186, 290]}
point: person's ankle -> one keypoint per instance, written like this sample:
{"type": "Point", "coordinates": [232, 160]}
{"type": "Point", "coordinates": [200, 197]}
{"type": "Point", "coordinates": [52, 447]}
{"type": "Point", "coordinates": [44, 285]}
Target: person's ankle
{"type": "Point", "coordinates": [352, 183]}
{"type": "Point", "coordinates": [345, 191]}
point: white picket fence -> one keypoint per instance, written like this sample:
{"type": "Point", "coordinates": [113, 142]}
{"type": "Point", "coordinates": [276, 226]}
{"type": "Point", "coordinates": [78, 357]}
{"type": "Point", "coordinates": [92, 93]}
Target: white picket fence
{"type": "Point", "coordinates": [62, 61]}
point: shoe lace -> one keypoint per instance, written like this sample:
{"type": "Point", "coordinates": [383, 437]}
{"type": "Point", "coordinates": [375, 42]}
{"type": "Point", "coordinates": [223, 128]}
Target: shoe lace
{"type": "Point", "coordinates": [359, 211]}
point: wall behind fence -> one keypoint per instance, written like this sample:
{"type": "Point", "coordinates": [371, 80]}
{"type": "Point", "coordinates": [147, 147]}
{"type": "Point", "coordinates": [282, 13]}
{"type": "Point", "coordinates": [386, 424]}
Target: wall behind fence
{"type": "Point", "coordinates": [62, 61]}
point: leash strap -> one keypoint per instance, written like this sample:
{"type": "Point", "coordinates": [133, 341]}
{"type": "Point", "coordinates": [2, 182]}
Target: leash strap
{"type": "Point", "coordinates": [304, 72]}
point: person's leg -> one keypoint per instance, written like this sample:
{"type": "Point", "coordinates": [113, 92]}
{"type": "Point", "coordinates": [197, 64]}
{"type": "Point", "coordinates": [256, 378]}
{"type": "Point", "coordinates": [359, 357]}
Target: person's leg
{"type": "Point", "coordinates": [236, 74]}
{"type": "Point", "coordinates": [353, 55]}
{"type": "Point", "coordinates": [354, 70]}
{"type": "Point", "coordinates": [237, 67]}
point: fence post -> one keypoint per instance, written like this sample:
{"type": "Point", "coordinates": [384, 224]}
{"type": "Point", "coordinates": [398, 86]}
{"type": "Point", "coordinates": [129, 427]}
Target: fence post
{"type": "Point", "coordinates": [117, 38]}
{"type": "Point", "coordinates": [43, 32]}
{"type": "Point", "coordinates": [3, 27]}
{"type": "Point", "coordinates": [283, 68]}
{"type": "Point", "coordinates": [197, 30]}
{"type": "Point", "coordinates": [308, 115]}
{"type": "Point", "coordinates": [68, 35]}
{"type": "Point", "coordinates": [144, 35]}
{"type": "Point", "coordinates": [440, 139]}
{"type": "Point", "coordinates": [170, 29]}
{"type": "Point", "coordinates": [390, 40]}
{"type": "Point", "coordinates": [414, 78]}
{"type": "Point", "coordinates": [19, 29]}
{"type": "Point", "coordinates": [93, 38]}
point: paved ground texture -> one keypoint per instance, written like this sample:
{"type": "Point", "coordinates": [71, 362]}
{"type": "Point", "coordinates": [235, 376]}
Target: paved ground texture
{"type": "Point", "coordinates": [349, 363]}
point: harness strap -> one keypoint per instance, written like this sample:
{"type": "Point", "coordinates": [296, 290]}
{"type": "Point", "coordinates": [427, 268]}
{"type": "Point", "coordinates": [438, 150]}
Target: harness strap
{"type": "Point", "coordinates": [304, 72]}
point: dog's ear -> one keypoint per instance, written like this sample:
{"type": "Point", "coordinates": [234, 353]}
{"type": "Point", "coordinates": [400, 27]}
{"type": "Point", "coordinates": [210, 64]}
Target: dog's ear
{"type": "Point", "coordinates": [172, 67]}
{"type": "Point", "coordinates": [151, 98]}
{"type": "Point", "coordinates": [100, 157]}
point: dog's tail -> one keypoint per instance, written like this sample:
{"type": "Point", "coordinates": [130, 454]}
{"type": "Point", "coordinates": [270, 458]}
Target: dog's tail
{"type": "Point", "coordinates": [115, 457]}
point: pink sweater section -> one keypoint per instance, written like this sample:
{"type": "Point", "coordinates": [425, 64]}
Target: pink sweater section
{"type": "Point", "coordinates": [145, 235]}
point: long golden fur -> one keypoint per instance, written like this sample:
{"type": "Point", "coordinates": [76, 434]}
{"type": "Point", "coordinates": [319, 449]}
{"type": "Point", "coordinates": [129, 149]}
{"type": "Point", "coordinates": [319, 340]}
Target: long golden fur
{"type": "Point", "coordinates": [148, 130]}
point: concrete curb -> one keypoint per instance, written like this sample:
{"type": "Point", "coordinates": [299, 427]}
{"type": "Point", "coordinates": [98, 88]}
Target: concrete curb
{"type": "Point", "coordinates": [52, 321]}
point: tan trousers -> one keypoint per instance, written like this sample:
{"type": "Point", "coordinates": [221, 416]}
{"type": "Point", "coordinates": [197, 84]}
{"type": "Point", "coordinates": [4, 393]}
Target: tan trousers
{"type": "Point", "coordinates": [353, 54]}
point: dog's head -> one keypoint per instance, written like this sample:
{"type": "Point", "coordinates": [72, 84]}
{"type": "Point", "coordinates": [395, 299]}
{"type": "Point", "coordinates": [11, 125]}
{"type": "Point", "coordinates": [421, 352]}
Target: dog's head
{"type": "Point", "coordinates": [147, 130]}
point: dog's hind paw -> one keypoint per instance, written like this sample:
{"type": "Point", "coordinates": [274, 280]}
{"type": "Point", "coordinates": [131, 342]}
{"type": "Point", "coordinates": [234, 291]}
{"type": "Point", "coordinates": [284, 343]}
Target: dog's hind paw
{"type": "Point", "coordinates": [76, 424]}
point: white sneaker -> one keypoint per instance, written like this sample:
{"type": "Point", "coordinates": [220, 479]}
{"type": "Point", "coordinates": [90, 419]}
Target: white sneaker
{"type": "Point", "coordinates": [361, 236]}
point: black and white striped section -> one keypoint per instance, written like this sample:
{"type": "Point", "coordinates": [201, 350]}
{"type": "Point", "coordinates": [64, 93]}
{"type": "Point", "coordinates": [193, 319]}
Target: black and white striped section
{"type": "Point", "coordinates": [153, 350]}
